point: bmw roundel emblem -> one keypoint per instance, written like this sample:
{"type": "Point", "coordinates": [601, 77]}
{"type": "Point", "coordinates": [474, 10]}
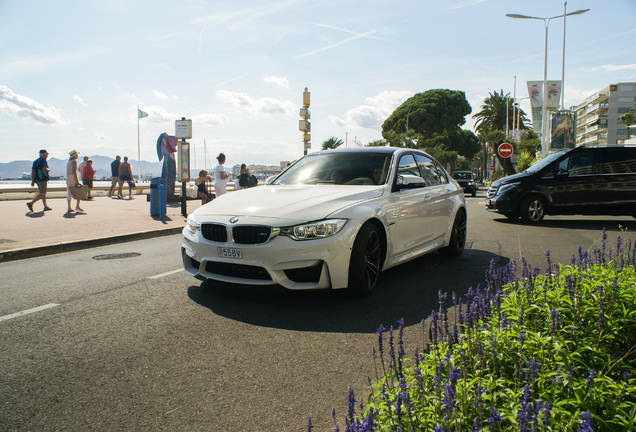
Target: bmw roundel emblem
{"type": "Point", "coordinates": [233, 220]}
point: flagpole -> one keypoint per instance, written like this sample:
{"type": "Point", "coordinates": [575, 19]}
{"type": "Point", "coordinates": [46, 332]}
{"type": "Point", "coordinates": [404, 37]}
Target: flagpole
{"type": "Point", "coordinates": [138, 148]}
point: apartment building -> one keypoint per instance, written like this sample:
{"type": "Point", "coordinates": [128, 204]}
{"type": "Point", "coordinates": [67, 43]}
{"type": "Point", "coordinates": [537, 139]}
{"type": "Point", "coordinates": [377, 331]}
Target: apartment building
{"type": "Point", "coordinates": [598, 116]}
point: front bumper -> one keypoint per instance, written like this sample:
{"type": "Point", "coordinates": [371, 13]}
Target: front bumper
{"type": "Point", "coordinates": [296, 265]}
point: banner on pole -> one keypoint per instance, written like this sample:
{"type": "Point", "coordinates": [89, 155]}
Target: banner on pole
{"type": "Point", "coordinates": [535, 91]}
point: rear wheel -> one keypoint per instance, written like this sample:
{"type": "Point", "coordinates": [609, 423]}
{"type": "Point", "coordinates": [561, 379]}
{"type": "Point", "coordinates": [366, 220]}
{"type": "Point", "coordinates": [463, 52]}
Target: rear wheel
{"type": "Point", "coordinates": [532, 209]}
{"type": "Point", "coordinates": [458, 236]}
{"type": "Point", "coordinates": [366, 259]}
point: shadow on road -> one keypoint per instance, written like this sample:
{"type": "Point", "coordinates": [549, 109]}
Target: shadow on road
{"type": "Point", "coordinates": [409, 291]}
{"type": "Point", "coordinates": [596, 224]}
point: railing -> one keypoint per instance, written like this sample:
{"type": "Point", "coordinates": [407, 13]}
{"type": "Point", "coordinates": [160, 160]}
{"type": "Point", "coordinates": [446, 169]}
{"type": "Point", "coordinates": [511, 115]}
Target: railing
{"type": "Point", "coordinates": [9, 192]}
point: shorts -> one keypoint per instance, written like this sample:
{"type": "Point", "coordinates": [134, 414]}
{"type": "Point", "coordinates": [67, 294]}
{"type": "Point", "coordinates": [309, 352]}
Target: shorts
{"type": "Point", "coordinates": [41, 187]}
{"type": "Point", "coordinates": [88, 183]}
{"type": "Point", "coordinates": [114, 180]}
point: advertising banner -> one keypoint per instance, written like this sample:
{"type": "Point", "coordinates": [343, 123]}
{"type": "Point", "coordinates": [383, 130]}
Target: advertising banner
{"type": "Point", "coordinates": [535, 91]}
{"type": "Point", "coordinates": [562, 130]}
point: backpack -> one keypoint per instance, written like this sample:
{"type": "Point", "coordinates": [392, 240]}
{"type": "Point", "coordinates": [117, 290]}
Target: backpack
{"type": "Point", "coordinates": [252, 181]}
{"type": "Point", "coordinates": [40, 174]}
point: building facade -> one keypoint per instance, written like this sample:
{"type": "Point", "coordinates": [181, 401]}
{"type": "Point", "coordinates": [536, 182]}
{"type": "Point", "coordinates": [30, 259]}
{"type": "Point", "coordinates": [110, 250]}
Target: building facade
{"type": "Point", "coordinates": [598, 116]}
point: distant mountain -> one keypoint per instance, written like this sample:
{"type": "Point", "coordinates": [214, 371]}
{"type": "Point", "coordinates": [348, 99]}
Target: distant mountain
{"type": "Point", "coordinates": [101, 164]}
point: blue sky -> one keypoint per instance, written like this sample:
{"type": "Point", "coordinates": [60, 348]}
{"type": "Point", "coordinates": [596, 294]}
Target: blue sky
{"type": "Point", "coordinates": [72, 72]}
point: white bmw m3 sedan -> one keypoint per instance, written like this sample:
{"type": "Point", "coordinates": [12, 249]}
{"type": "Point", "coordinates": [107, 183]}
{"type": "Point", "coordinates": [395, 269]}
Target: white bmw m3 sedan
{"type": "Point", "coordinates": [333, 219]}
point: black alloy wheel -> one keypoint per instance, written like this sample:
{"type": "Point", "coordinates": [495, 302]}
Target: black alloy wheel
{"type": "Point", "coordinates": [458, 236]}
{"type": "Point", "coordinates": [532, 209]}
{"type": "Point", "coordinates": [366, 260]}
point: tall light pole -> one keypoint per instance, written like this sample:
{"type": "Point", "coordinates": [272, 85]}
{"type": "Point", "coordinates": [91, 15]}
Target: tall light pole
{"type": "Point", "coordinates": [544, 114]}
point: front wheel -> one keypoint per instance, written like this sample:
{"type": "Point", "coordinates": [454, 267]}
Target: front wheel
{"type": "Point", "coordinates": [532, 210]}
{"type": "Point", "coordinates": [366, 259]}
{"type": "Point", "coordinates": [458, 236]}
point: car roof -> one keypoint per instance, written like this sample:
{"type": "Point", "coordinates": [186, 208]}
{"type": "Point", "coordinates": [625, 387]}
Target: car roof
{"type": "Point", "coordinates": [368, 150]}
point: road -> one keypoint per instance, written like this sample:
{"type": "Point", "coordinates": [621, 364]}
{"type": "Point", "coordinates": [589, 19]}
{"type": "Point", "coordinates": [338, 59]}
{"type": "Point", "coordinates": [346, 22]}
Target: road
{"type": "Point", "coordinates": [130, 342]}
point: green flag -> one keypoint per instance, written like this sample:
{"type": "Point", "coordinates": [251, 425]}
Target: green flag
{"type": "Point", "coordinates": [141, 114]}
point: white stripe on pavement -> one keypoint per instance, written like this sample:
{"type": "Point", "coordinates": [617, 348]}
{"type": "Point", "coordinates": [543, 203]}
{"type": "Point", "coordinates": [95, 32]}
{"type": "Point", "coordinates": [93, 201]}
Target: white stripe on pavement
{"type": "Point", "coordinates": [28, 311]}
{"type": "Point", "coordinates": [165, 274]}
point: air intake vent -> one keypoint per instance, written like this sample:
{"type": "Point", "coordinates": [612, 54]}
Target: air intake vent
{"type": "Point", "coordinates": [214, 232]}
{"type": "Point", "coordinates": [251, 234]}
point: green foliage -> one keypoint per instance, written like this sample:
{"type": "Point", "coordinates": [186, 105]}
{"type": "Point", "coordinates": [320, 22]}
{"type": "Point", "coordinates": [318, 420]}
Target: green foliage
{"type": "Point", "coordinates": [552, 350]}
{"type": "Point", "coordinates": [497, 108]}
{"type": "Point", "coordinates": [524, 161]}
{"type": "Point", "coordinates": [331, 143]}
{"type": "Point", "coordinates": [429, 113]}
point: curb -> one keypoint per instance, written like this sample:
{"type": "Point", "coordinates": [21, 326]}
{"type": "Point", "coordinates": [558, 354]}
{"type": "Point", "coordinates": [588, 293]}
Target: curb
{"type": "Point", "coordinates": [18, 254]}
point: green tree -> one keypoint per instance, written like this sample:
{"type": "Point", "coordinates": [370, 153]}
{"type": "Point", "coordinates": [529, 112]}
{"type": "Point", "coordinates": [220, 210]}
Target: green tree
{"type": "Point", "coordinates": [498, 108]}
{"type": "Point", "coordinates": [495, 138]}
{"type": "Point", "coordinates": [429, 113]}
{"type": "Point", "coordinates": [628, 118]}
{"type": "Point", "coordinates": [331, 143]}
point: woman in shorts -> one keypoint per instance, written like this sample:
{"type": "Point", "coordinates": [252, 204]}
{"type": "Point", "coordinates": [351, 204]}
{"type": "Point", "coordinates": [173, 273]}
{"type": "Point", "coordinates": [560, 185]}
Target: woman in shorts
{"type": "Point", "coordinates": [125, 175]}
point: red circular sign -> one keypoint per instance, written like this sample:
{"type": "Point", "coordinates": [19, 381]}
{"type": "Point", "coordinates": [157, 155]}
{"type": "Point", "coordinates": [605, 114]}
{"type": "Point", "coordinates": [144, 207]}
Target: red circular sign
{"type": "Point", "coordinates": [505, 150]}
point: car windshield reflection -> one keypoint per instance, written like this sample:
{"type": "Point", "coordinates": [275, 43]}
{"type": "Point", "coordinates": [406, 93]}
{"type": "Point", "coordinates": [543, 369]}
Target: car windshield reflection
{"type": "Point", "coordinates": [337, 169]}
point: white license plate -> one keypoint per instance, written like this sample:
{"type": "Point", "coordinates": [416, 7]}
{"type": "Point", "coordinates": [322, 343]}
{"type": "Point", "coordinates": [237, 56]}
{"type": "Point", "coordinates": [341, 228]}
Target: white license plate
{"type": "Point", "coordinates": [229, 253]}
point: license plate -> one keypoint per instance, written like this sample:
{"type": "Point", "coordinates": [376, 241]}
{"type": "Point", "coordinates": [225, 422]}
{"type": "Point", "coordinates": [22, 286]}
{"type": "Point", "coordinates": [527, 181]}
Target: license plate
{"type": "Point", "coordinates": [229, 253]}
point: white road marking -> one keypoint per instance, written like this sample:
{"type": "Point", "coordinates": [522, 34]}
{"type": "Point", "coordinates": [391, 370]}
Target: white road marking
{"type": "Point", "coordinates": [28, 311]}
{"type": "Point", "coordinates": [165, 274]}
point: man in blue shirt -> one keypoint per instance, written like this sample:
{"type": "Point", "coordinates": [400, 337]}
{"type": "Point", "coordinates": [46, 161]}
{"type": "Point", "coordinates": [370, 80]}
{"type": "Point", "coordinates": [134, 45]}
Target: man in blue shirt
{"type": "Point", "coordinates": [40, 176]}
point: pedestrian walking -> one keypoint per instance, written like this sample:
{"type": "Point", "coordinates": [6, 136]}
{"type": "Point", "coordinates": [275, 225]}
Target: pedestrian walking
{"type": "Point", "coordinates": [40, 176]}
{"type": "Point", "coordinates": [114, 171]}
{"type": "Point", "coordinates": [202, 188]}
{"type": "Point", "coordinates": [88, 174]}
{"type": "Point", "coordinates": [125, 175]}
{"type": "Point", "coordinates": [72, 180]}
{"type": "Point", "coordinates": [244, 176]}
{"type": "Point", "coordinates": [220, 176]}
{"type": "Point", "coordinates": [80, 168]}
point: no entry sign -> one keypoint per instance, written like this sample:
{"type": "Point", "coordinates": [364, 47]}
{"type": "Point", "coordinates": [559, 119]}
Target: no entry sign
{"type": "Point", "coordinates": [505, 150]}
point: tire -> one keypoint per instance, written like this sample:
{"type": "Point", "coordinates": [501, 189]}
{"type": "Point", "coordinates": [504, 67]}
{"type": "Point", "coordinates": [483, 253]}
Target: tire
{"type": "Point", "coordinates": [532, 209]}
{"type": "Point", "coordinates": [458, 236]}
{"type": "Point", "coordinates": [366, 260]}
{"type": "Point", "coordinates": [474, 194]}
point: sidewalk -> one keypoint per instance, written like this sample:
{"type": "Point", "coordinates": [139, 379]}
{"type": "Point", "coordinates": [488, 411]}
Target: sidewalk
{"type": "Point", "coordinates": [106, 220]}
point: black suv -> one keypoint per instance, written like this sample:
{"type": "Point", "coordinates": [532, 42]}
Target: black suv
{"type": "Point", "coordinates": [599, 180]}
{"type": "Point", "coordinates": [466, 180]}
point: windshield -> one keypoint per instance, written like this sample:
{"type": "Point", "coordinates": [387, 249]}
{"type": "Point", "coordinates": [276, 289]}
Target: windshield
{"type": "Point", "coordinates": [338, 168]}
{"type": "Point", "coordinates": [541, 163]}
{"type": "Point", "coordinates": [460, 175]}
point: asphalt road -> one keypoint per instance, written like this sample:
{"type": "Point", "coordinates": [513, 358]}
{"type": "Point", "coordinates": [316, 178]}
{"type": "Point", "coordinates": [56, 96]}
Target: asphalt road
{"type": "Point", "coordinates": [130, 342]}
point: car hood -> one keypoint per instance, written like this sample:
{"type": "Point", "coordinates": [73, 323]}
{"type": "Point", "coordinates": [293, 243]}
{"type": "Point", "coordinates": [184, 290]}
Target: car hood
{"type": "Point", "coordinates": [511, 178]}
{"type": "Point", "coordinates": [291, 203]}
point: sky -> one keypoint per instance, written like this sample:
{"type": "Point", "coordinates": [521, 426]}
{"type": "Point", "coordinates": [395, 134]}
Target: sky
{"type": "Point", "coordinates": [74, 72]}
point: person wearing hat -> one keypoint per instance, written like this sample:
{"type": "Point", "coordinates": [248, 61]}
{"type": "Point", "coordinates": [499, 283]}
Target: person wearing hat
{"type": "Point", "coordinates": [40, 176]}
{"type": "Point", "coordinates": [72, 180]}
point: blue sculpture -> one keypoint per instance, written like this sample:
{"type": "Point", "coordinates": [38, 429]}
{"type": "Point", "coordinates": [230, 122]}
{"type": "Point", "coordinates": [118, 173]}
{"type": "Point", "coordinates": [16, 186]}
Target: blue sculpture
{"type": "Point", "coordinates": [166, 148]}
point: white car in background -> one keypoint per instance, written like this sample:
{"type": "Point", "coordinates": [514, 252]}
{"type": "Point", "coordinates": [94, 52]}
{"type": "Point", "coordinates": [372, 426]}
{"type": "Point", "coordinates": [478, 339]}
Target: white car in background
{"type": "Point", "coordinates": [333, 219]}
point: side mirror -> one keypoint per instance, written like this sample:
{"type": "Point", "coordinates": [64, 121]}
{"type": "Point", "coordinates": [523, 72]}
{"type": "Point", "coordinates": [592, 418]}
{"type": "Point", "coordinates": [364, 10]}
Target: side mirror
{"type": "Point", "coordinates": [269, 179]}
{"type": "Point", "coordinates": [408, 181]}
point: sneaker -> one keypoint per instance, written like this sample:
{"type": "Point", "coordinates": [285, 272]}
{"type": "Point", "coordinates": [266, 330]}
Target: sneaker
{"type": "Point", "coordinates": [131, 197]}
{"type": "Point", "coordinates": [30, 206]}
{"type": "Point", "coordinates": [47, 208]}
{"type": "Point", "coordinates": [120, 196]}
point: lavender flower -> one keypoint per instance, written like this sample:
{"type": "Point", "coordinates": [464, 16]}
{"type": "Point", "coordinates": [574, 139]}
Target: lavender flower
{"type": "Point", "coordinates": [494, 419]}
{"type": "Point", "coordinates": [310, 427]}
{"type": "Point", "coordinates": [586, 423]}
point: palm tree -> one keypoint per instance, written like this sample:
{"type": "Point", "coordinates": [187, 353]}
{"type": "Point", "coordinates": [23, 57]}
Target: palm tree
{"type": "Point", "coordinates": [331, 143]}
{"type": "Point", "coordinates": [493, 114]}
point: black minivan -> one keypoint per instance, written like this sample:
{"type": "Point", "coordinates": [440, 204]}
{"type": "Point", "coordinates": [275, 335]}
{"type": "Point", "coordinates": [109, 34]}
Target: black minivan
{"type": "Point", "coordinates": [585, 180]}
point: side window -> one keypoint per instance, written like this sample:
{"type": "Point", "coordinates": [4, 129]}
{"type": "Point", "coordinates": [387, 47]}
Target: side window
{"type": "Point", "coordinates": [429, 170]}
{"type": "Point", "coordinates": [408, 166]}
{"type": "Point", "coordinates": [618, 161]}
{"type": "Point", "coordinates": [443, 176]}
{"type": "Point", "coordinates": [582, 163]}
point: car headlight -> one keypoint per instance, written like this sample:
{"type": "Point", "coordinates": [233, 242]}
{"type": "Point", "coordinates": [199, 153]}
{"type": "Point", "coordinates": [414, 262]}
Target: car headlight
{"type": "Point", "coordinates": [192, 225]}
{"type": "Point", "coordinates": [507, 187]}
{"type": "Point", "coordinates": [314, 230]}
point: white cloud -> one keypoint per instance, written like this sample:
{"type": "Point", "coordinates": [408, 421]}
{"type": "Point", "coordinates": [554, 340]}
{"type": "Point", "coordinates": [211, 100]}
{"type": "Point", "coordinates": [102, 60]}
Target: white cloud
{"type": "Point", "coordinates": [376, 109]}
{"type": "Point", "coordinates": [100, 136]}
{"type": "Point", "coordinates": [277, 80]}
{"type": "Point", "coordinates": [262, 107]}
{"type": "Point", "coordinates": [25, 108]}
{"type": "Point", "coordinates": [211, 119]}
{"type": "Point", "coordinates": [613, 68]}
{"type": "Point", "coordinates": [159, 95]}
{"type": "Point", "coordinates": [79, 100]}
{"type": "Point", "coordinates": [336, 120]}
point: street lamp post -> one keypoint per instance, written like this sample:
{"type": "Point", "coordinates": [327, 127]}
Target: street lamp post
{"type": "Point", "coordinates": [544, 114]}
